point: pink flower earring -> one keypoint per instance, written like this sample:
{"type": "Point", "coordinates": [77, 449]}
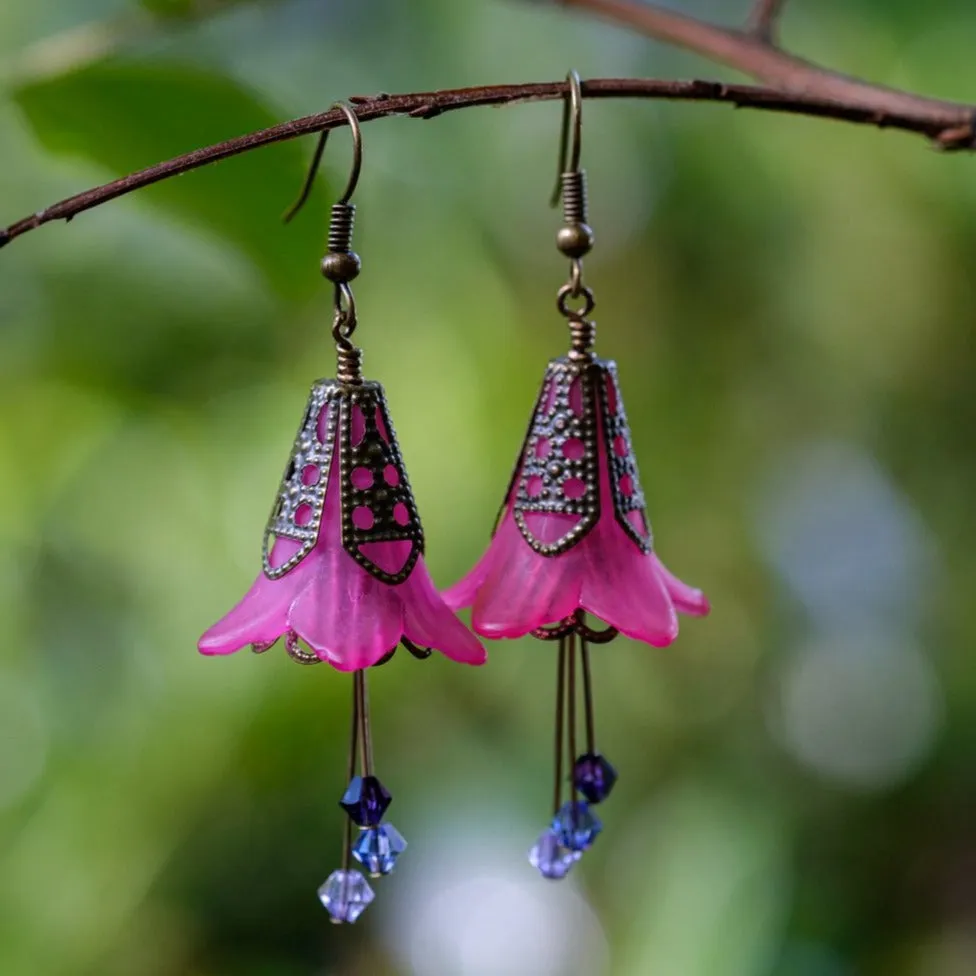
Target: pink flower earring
{"type": "Point", "coordinates": [572, 536]}
{"type": "Point", "coordinates": [343, 578]}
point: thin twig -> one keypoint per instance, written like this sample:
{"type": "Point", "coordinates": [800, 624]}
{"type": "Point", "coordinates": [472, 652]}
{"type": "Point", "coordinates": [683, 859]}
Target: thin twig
{"type": "Point", "coordinates": [784, 72]}
{"type": "Point", "coordinates": [949, 125]}
{"type": "Point", "coordinates": [764, 18]}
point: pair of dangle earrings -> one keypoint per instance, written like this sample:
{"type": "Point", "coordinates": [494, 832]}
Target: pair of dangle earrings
{"type": "Point", "coordinates": [343, 577]}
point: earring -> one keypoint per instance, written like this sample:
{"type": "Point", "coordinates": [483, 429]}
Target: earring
{"type": "Point", "coordinates": [343, 577]}
{"type": "Point", "coordinates": [572, 536]}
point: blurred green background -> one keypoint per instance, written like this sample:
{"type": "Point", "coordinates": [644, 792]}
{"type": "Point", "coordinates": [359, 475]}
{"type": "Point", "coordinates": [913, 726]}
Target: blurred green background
{"type": "Point", "coordinates": [791, 303]}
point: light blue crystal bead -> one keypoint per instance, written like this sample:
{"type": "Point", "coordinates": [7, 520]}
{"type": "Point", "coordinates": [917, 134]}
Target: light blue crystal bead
{"type": "Point", "coordinates": [378, 848]}
{"type": "Point", "coordinates": [550, 858]}
{"type": "Point", "coordinates": [576, 826]}
{"type": "Point", "coordinates": [345, 895]}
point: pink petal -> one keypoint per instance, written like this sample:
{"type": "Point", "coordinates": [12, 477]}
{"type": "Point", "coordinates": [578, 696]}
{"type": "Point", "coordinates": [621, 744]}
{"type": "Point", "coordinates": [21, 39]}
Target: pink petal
{"type": "Point", "coordinates": [622, 585]}
{"type": "Point", "coordinates": [686, 598]}
{"type": "Point", "coordinates": [550, 527]}
{"type": "Point", "coordinates": [429, 622]}
{"type": "Point", "coordinates": [259, 618]}
{"type": "Point", "coordinates": [523, 590]}
{"type": "Point", "coordinates": [465, 590]}
{"type": "Point", "coordinates": [624, 589]}
{"type": "Point", "coordinates": [346, 616]}
{"type": "Point", "coordinates": [391, 557]}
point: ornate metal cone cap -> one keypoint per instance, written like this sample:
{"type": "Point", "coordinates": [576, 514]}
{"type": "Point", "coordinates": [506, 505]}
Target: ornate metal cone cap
{"type": "Point", "coordinates": [578, 423]}
{"type": "Point", "coordinates": [349, 425]}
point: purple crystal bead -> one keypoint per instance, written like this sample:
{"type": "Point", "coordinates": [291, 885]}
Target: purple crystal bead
{"type": "Point", "coordinates": [576, 826]}
{"type": "Point", "coordinates": [365, 800]}
{"type": "Point", "coordinates": [378, 848]}
{"type": "Point", "coordinates": [594, 777]}
{"type": "Point", "coordinates": [346, 895]}
{"type": "Point", "coordinates": [550, 858]}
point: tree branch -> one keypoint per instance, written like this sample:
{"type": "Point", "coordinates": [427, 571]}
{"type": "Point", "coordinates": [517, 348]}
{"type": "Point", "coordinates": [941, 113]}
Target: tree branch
{"type": "Point", "coordinates": [804, 89]}
{"type": "Point", "coordinates": [951, 130]}
{"type": "Point", "coordinates": [763, 19]}
{"type": "Point", "coordinates": [774, 67]}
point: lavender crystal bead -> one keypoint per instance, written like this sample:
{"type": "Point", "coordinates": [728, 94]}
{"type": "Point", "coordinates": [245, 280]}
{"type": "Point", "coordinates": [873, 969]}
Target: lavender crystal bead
{"type": "Point", "coordinates": [346, 895]}
{"type": "Point", "coordinates": [550, 858]}
{"type": "Point", "coordinates": [365, 801]}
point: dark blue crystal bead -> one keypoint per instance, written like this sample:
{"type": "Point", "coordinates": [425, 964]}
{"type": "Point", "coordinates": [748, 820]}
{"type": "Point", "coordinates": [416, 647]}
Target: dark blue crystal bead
{"type": "Point", "coordinates": [594, 777]}
{"type": "Point", "coordinates": [365, 800]}
{"type": "Point", "coordinates": [576, 826]}
{"type": "Point", "coordinates": [378, 848]}
{"type": "Point", "coordinates": [550, 858]}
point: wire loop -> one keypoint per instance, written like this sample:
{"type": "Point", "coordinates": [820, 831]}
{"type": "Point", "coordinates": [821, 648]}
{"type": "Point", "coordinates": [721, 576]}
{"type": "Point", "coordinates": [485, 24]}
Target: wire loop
{"type": "Point", "coordinates": [344, 323]}
{"type": "Point", "coordinates": [357, 162]}
{"type": "Point", "coordinates": [576, 290]}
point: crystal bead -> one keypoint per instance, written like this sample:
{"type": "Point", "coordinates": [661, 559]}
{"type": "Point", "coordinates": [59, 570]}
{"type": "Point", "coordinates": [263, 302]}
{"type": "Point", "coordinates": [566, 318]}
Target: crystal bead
{"type": "Point", "coordinates": [576, 826]}
{"type": "Point", "coordinates": [345, 895]}
{"type": "Point", "coordinates": [378, 848]}
{"type": "Point", "coordinates": [550, 858]}
{"type": "Point", "coordinates": [594, 777]}
{"type": "Point", "coordinates": [365, 800]}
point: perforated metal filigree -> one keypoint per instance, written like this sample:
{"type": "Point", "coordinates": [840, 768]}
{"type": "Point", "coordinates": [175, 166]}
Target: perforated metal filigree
{"type": "Point", "coordinates": [376, 500]}
{"type": "Point", "coordinates": [378, 508]}
{"type": "Point", "coordinates": [297, 512]}
{"type": "Point", "coordinates": [559, 473]}
{"type": "Point", "coordinates": [624, 479]}
{"type": "Point", "coordinates": [558, 468]}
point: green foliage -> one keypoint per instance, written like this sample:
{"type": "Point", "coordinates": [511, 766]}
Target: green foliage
{"type": "Point", "coordinates": [186, 10]}
{"type": "Point", "coordinates": [175, 9]}
{"type": "Point", "coordinates": [125, 116]}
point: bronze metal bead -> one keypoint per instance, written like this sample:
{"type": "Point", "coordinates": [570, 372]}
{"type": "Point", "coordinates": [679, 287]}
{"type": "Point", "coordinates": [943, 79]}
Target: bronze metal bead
{"type": "Point", "coordinates": [574, 240]}
{"type": "Point", "coordinates": [341, 266]}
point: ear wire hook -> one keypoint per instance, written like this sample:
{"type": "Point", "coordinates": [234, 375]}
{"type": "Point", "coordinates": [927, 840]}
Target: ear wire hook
{"type": "Point", "coordinates": [357, 162]}
{"type": "Point", "coordinates": [575, 238]}
{"type": "Point", "coordinates": [569, 151]}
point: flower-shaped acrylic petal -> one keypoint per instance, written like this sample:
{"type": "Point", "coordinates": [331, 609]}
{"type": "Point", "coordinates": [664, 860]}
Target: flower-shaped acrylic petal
{"type": "Point", "coordinates": [343, 564]}
{"type": "Point", "coordinates": [573, 534]}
